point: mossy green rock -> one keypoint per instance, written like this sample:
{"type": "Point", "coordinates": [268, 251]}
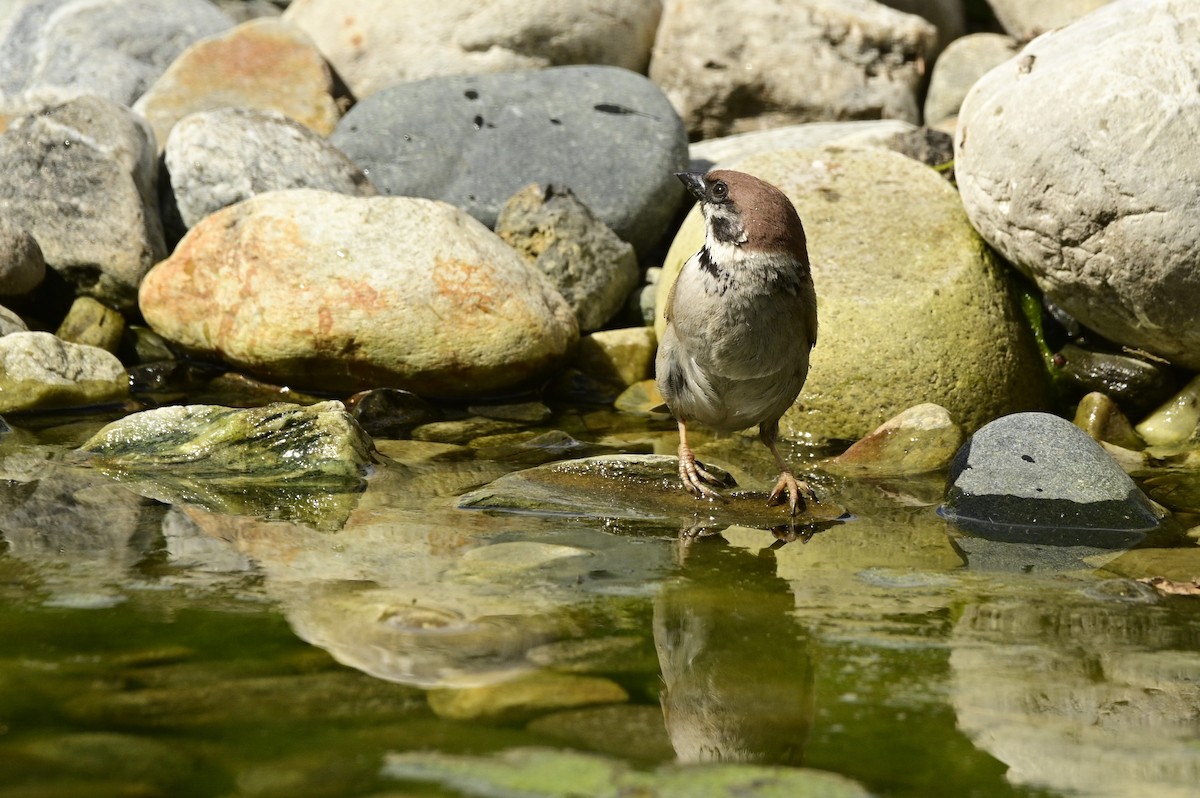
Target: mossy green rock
{"type": "Point", "coordinates": [286, 461]}
{"type": "Point", "coordinates": [912, 306]}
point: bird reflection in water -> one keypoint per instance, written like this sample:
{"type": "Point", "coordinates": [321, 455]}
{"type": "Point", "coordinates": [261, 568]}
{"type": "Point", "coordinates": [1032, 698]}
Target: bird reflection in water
{"type": "Point", "coordinates": [738, 678]}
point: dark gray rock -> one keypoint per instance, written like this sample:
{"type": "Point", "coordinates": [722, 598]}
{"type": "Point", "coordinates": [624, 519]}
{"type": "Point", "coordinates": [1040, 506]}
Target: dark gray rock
{"type": "Point", "coordinates": [216, 158]}
{"type": "Point", "coordinates": [474, 141]}
{"type": "Point", "coordinates": [1035, 478]}
{"type": "Point", "coordinates": [57, 49]}
{"type": "Point", "coordinates": [81, 178]}
{"type": "Point", "coordinates": [590, 266]}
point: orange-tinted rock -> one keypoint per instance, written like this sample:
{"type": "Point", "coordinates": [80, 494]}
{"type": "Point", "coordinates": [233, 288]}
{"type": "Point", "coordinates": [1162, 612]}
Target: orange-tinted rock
{"type": "Point", "coordinates": [324, 291]}
{"type": "Point", "coordinates": [265, 63]}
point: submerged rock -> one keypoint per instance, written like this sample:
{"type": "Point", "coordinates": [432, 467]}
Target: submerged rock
{"type": "Point", "coordinates": [1036, 478]}
{"type": "Point", "coordinates": [39, 371]}
{"type": "Point", "coordinates": [524, 696]}
{"type": "Point", "coordinates": [644, 488]}
{"type": "Point", "coordinates": [541, 773]}
{"type": "Point", "coordinates": [279, 461]}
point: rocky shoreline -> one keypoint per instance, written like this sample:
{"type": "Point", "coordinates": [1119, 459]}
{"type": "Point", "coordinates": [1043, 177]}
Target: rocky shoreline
{"type": "Point", "coordinates": [475, 205]}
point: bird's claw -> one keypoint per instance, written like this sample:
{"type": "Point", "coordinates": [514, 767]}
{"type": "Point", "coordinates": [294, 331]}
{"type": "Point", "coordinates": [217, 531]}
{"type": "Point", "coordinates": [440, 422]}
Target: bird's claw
{"type": "Point", "coordinates": [789, 484]}
{"type": "Point", "coordinates": [694, 476]}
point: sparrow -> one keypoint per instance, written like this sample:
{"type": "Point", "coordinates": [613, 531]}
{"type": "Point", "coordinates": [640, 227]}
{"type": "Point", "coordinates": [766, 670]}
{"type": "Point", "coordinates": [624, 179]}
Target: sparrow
{"type": "Point", "coordinates": [741, 320]}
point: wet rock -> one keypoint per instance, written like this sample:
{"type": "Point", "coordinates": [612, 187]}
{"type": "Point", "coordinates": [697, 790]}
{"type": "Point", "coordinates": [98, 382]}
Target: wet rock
{"type": "Point", "coordinates": [22, 266]}
{"type": "Point", "coordinates": [106, 755]}
{"type": "Point", "coordinates": [264, 64]}
{"type": "Point", "coordinates": [55, 50]}
{"type": "Point", "coordinates": [534, 447]}
{"type": "Point", "coordinates": [41, 372]}
{"type": "Point", "coordinates": [280, 461]}
{"type": "Point", "coordinates": [627, 732]}
{"type": "Point", "coordinates": [947, 312]}
{"type": "Point", "coordinates": [390, 412]}
{"type": "Point", "coordinates": [1101, 418]}
{"type": "Point", "coordinates": [618, 654]}
{"type": "Point", "coordinates": [282, 699]}
{"type": "Point", "coordinates": [463, 431]}
{"type": "Point", "coordinates": [921, 439]}
{"type": "Point", "coordinates": [814, 73]}
{"type": "Point", "coordinates": [539, 772]}
{"type": "Point", "coordinates": [607, 133]}
{"type": "Point", "coordinates": [1058, 156]}
{"type": "Point", "coordinates": [526, 412]}
{"type": "Point", "coordinates": [644, 488]}
{"type": "Point", "coordinates": [304, 287]}
{"type": "Point", "coordinates": [385, 43]}
{"type": "Point", "coordinates": [237, 390]}
{"type": "Point", "coordinates": [622, 357]}
{"type": "Point", "coordinates": [1177, 422]}
{"type": "Point", "coordinates": [274, 442]}
{"type": "Point", "coordinates": [1179, 490]}
{"type": "Point", "coordinates": [92, 323]}
{"type": "Point", "coordinates": [1036, 478]}
{"type": "Point", "coordinates": [10, 322]}
{"type": "Point", "coordinates": [708, 153]}
{"type": "Point", "coordinates": [1135, 383]}
{"type": "Point", "coordinates": [81, 178]}
{"type": "Point", "coordinates": [1024, 19]}
{"type": "Point", "coordinates": [143, 345]}
{"type": "Point", "coordinates": [533, 694]}
{"type": "Point", "coordinates": [220, 157]}
{"type": "Point", "coordinates": [962, 63]}
{"type": "Point", "coordinates": [590, 266]}
{"type": "Point", "coordinates": [1179, 564]}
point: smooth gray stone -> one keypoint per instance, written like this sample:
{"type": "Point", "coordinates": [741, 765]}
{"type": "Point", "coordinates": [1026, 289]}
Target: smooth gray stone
{"type": "Point", "coordinates": [473, 141]}
{"type": "Point", "coordinates": [1035, 478]}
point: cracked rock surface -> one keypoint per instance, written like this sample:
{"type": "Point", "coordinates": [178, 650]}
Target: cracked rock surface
{"type": "Point", "coordinates": [1076, 160]}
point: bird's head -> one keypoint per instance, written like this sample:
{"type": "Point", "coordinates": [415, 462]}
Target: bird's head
{"type": "Point", "coordinates": [746, 216]}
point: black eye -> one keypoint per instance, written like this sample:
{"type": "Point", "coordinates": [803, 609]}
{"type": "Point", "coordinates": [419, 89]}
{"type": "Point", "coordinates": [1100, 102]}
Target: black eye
{"type": "Point", "coordinates": [719, 190]}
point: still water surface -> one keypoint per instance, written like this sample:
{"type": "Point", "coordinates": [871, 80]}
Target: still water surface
{"type": "Point", "coordinates": [148, 649]}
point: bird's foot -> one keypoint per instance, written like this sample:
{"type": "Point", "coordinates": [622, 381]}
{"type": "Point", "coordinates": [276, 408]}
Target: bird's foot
{"type": "Point", "coordinates": [789, 484]}
{"type": "Point", "coordinates": [694, 477]}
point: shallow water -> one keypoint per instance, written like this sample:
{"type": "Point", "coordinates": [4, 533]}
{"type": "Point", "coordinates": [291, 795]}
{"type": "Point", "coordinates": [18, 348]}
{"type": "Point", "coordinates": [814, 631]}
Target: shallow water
{"type": "Point", "coordinates": [152, 650]}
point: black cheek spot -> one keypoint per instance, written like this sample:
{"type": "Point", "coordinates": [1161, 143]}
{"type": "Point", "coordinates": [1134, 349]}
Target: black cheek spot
{"type": "Point", "coordinates": [724, 229]}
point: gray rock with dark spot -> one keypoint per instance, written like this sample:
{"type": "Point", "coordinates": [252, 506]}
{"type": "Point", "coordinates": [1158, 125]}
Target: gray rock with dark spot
{"type": "Point", "coordinates": [1036, 478]}
{"type": "Point", "coordinates": [53, 50]}
{"type": "Point", "coordinates": [474, 141]}
{"type": "Point", "coordinates": [590, 266]}
{"type": "Point", "coordinates": [81, 178]}
{"type": "Point", "coordinates": [216, 158]}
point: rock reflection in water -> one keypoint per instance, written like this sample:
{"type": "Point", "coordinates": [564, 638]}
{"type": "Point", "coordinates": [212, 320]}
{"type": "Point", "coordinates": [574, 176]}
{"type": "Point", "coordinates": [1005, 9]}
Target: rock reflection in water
{"type": "Point", "coordinates": [1094, 699]}
{"type": "Point", "coordinates": [738, 680]}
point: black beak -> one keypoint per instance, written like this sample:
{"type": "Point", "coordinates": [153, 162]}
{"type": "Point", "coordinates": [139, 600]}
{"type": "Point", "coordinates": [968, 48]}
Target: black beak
{"type": "Point", "coordinates": [694, 182]}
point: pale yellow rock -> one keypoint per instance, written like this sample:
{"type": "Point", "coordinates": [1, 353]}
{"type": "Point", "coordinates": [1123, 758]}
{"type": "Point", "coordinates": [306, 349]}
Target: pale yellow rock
{"type": "Point", "coordinates": [525, 695]}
